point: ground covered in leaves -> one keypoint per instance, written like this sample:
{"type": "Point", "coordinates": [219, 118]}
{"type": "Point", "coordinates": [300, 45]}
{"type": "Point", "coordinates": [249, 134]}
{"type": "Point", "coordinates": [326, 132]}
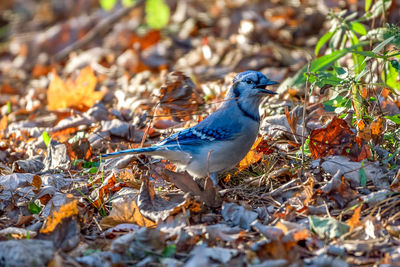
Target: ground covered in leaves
{"type": "Point", "coordinates": [320, 186]}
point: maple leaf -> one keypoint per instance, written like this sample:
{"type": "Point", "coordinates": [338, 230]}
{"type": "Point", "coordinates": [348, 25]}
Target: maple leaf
{"type": "Point", "coordinates": [78, 94]}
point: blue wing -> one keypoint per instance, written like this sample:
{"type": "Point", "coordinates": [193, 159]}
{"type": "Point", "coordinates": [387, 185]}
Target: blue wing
{"type": "Point", "coordinates": [197, 136]}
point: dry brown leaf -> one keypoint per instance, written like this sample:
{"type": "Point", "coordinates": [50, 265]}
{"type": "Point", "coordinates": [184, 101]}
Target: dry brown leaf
{"type": "Point", "coordinates": [109, 186]}
{"type": "Point", "coordinates": [292, 121]}
{"type": "Point", "coordinates": [180, 97]}
{"type": "Point", "coordinates": [36, 182]}
{"type": "Point", "coordinates": [331, 140]}
{"type": "Point", "coordinates": [125, 211]}
{"type": "Point", "coordinates": [79, 94]}
{"type": "Point", "coordinates": [65, 211]}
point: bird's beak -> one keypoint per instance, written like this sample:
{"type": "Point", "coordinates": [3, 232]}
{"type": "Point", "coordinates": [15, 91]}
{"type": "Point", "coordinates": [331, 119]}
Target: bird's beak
{"type": "Point", "coordinates": [265, 91]}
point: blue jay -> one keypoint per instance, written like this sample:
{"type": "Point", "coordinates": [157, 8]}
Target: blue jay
{"type": "Point", "coordinates": [220, 141]}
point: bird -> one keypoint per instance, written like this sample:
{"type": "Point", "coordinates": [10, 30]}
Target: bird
{"type": "Point", "coordinates": [220, 141]}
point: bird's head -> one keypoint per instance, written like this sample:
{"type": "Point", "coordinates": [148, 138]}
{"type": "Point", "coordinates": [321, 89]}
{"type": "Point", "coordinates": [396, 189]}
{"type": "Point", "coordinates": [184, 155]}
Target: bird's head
{"type": "Point", "coordinates": [248, 90]}
{"type": "Point", "coordinates": [251, 84]}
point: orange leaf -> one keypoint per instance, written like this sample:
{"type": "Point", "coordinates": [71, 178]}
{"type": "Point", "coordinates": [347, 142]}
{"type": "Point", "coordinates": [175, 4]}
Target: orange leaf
{"type": "Point", "coordinates": [65, 211]}
{"type": "Point", "coordinates": [377, 126]}
{"type": "Point", "coordinates": [3, 123]}
{"type": "Point", "coordinates": [78, 94]}
{"type": "Point", "coordinates": [109, 186]}
{"type": "Point", "coordinates": [252, 157]}
{"type": "Point", "coordinates": [354, 221]}
{"type": "Point", "coordinates": [331, 140]}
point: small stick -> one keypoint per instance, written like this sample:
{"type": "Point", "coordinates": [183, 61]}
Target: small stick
{"type": "Point", "coordinates": [304, 119]}
{"type": "Point", "coordinates": [102, 27]}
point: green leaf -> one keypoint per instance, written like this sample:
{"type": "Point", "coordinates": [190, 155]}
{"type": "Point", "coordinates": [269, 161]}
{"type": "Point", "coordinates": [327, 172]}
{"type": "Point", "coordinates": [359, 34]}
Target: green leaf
{"type": "Point", "coordinates": [378, 8]}
{"type": "Point", "coordinates": [340, 70]}
{"type": "Point", "coordinates": [92, 170]}
{"type": "Point", "coordinates": [46, 138]}
{"type": "Point", "coordinates": [107, 4]}
{"type": "Point", "coordinates": [380, 46]}
{"type": "Point", "coordinates": [358, 104]}
{"type": "Point", "coordinates": [169, 251]}
{"type": "Point", "coordinates": [395, 64]}
{"type": "Point", "coordinates": [322, 63]}
{"type": "Point", "coordinates": [337, 102]}
{"type": "Point", "coordinates": [362, 175]}
{"type": "Point", "coordinates": [367, 5]}
{"type": "Point", "coordinates": [390, 77]}
{"type": "Point", "coordinates": [358, 60]}
{"type": "Point", "coordinates": [366, 54]}
{"type": "Point", "coordinates": [128, 3]}
{"type": "Point", "coordinates": [335, 40]}
{"type": "Point", "coordinates": [358, 28]}
{"type": "Point", "coordinates": [322, 41]}
{"type": "Point", "coordinates": [394, 118]}
{"type": "Point", "coordinates": [157, 14]}
{"type": "Point", "coordinates": [327, 227]}
{"type": "Point", "coordinates": [33, 208]}
{"type": "Point", "coordinates": [361, 74]}
{"type": "Point", "coordinates": [8, 107]}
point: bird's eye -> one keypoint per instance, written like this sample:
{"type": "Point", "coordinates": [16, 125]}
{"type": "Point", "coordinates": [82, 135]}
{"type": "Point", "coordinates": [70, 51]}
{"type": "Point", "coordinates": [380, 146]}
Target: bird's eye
{"type": "Point", "coordinates": [249, 81]}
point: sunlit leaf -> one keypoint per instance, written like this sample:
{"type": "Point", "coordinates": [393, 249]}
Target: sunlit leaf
{"type": "Point", "coordinates": [380, 46]}
{"type": "Point", "coordinates": [3, 123]}
{"type": "Point", "coordinates": [329, 140]}
{"type": "Point", "coordinates": [394, 118]}
{"type": "Point", "coordinates": [128, 2]}
{"type": "Point", "coordinates": [157, 14]}
{"type": "Point", "coordinates": [79, 94]}
{"type": "Point", "coordinates": [322, 41]}
{"type": "Point", "coordinates": [46, 138]}
{"type": "Point", "coordinates": [107, 4]}
{"type": "Point", "coordinates": [358, 28]}
{"type": "Point", "coordinates": [65, 211]}
{"type": "Point", "coordinates": [354, 221]}
{"type": "Point", "coordinates": [323, 63]}
{"type": "Point", "coordinates": [367, 5]}
{"type": "Point", "coordinates": [391, 77]}
{"type": "Point", "coordinates": [125, 211]}
{"type": "Point", "coordinates": [252, 156]}
{"type": "Point", "coordinates": [378, 8]}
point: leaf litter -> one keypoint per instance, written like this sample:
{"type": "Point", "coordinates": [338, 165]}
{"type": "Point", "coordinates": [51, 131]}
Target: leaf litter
{"type": "Point", "coordinates": [131, 86]}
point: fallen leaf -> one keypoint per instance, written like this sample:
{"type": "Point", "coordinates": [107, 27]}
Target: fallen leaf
{"type": "Point", "coordinates": [179, 97]}
{"type": "Point", "coordinates": [354, 221]}
{"type": "Point", "coordinates": [125, 211]}
{"type": "Point", "coordinates": [108, 186]}
{"type": "Point", "coordinates": [79, 94]}
{"type": "Point", "coordinates": [327, 227]}
{"type": "Point", "coordinates": [333, 139]}
{"type": "Point", "coordinates": [252, 156]}
{"type": "Point", "coordinates": [3, 123]}
{"type": "Point", "coordinates": [65, 211]}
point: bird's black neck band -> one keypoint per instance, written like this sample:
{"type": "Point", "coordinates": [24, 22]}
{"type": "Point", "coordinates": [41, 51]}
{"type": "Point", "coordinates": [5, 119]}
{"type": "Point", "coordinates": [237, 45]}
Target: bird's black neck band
{"type": "Point", "coordinates": [243, 110]}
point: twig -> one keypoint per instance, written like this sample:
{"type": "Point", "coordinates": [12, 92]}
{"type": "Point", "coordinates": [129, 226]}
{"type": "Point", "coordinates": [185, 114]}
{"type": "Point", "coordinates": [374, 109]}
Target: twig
{"type": "Point", "coordinates": [146, 132]}
{"type": "Point", "coordinates": [100, 29]}
{"type": "Point", "coordinates": [304, 119]}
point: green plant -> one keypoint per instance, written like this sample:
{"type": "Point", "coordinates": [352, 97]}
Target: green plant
{"type": "Point", "coordinates": [157, 11]}
{"type": "Point", "coordinates": [348, 35]}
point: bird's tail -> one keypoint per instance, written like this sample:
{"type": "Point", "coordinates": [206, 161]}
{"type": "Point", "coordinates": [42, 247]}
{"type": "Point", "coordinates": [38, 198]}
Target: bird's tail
{"type": "Point", "coordinates": [143, 150]}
